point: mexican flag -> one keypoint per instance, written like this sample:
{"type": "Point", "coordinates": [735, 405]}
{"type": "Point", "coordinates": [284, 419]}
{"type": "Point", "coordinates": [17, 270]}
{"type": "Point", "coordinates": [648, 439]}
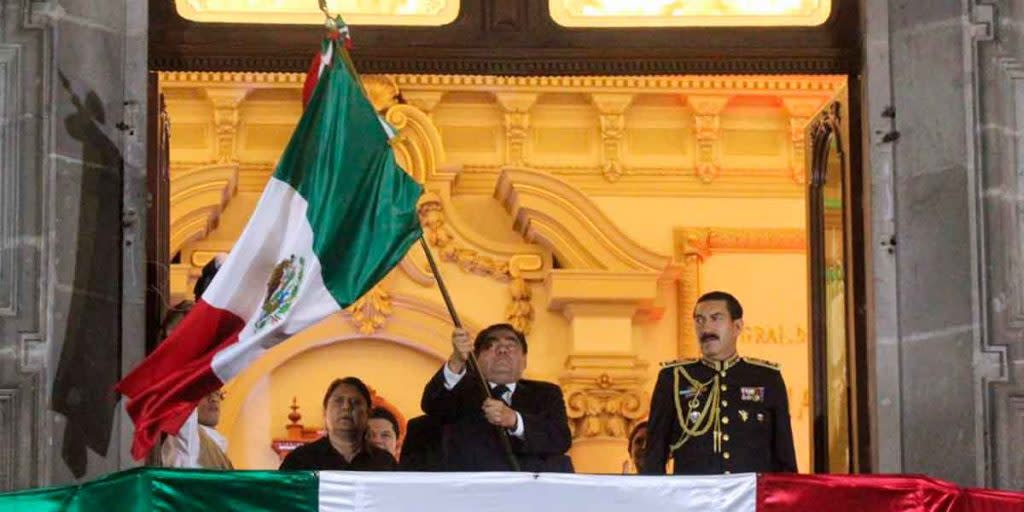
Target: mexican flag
{"type": "Point", "coordinates": [341, 491]}
{"type": "Point", "coordinates": [336, 217]}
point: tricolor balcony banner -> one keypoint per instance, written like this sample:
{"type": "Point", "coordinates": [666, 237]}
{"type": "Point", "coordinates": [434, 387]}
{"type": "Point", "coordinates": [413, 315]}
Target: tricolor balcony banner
{"type": "Point", "coordinates": [339, 491]}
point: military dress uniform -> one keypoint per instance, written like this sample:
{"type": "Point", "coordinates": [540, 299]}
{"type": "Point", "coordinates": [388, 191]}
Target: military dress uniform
{"type": "Point", "coordinates": [717, 417]}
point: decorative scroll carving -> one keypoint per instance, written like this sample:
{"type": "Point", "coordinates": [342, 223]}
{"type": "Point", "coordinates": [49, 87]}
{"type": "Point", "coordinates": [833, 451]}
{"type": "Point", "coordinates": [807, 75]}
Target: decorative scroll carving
{"type": "Point", "coordinates": [519, 312]}
{"type": "Point", "coordinates": [801, 110]}
{"type": "Point", "coordinates": [558, 216]}
{"type": "Point", "coordinates": [437, 234]}
{"type": "Point", "coordinates": [798, 149]}
{"type": "Point", "coordinates": [198, 196]}
{"type": "Point", "coordinates": [517, 123]}
{"type": "Point", "coordinates": [707, 126]}
{"type": "Point", "coordinates": [695, 245]}
{"type": "Point", "coordinates": [613, 127]}
{"type": "Point", "coordinates": [423, 100]}
{"type": "Point", "coordinates": [603, 395]}
{"type": "Point", "coordinates": [370, 312]}
{"type": "Point", "coordinates": [602, 410]}
{"type": "Point", "coordinates": [382, 91]}
{"type": "Point", "coordinates": [612, 108]}
{"type": "Point", "coordinates": [418, 147]}
{"type": "Point", "coordinates": [225, 119]}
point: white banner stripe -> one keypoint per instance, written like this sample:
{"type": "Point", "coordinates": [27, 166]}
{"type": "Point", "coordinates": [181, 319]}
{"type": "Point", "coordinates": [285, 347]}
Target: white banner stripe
{"type": "Point", "coordinates": [280, 231]}
{"type": "Point", "coordinates": [342, 491]}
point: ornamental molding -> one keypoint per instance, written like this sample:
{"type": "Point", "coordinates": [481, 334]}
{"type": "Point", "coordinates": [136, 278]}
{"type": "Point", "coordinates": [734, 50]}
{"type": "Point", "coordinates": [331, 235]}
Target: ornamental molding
{"type": "Point", "coordinates": [650, 182]}
{"type": "Point", "coordinates": [603, 395]}
{"type": "Point", "coordinates": [202, 78]}
{"type": "Point", "coordinates": [703, 242]}
{"type": "Point", "coordinates": [408, 100]}
{"type": "Point", "coordinates": [708, 131]}
{"type": "Point", "coordinates": [824, 86]}
{"type": "Point", "coordinates": [611, 110]}
{"type": "Point", "coordinates": [417, 145]}
{"type": "Point", "coordinates": [558, 216]}
{"type": "Point", "coordinates": [693, 246]}
{"type": "Point", "coordinates": [790, 85]}
{"type": "Point", "coordinates": [370, 312]}
{"type": "Point", "coordinates": [197, 198]}
{"type": "Point", "coordinates": [515, 265]}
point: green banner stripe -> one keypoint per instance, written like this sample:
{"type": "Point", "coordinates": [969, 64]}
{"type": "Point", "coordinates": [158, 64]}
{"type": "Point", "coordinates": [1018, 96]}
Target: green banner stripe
{"type": "Point", "coordinates": [361, 206]}
{"type": "Point", "coordinates": [173, 490]}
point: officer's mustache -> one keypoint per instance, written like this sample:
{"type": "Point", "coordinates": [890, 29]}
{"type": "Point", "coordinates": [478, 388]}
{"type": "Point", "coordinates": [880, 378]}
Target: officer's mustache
{"type": "Point", "coordinates": [708, 337]}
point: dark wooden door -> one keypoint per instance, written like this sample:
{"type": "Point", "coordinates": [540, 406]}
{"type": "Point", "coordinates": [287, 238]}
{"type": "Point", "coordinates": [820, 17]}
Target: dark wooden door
{"type": "Point", "coordinates": [158, 258]}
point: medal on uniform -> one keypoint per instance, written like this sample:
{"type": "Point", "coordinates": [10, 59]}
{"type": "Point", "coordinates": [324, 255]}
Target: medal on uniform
{"type": "Point", "coordinates": [744, 415]}
{"type": "Point", "coordinates": [687, 392]}
{"type": "Point", "coordinates": [752, 394]}
{"type": "Point", "coordinates": [760, 416]}
{"type": "Point", "coordinates": [694, 416]}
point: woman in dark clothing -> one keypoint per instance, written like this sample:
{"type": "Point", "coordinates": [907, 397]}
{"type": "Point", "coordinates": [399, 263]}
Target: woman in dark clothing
{"type": "Point", "coordinates": [344, 447]}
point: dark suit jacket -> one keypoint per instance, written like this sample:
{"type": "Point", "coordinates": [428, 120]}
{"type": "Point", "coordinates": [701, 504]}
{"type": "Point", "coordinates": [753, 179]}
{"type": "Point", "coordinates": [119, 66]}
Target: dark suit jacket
{"type": "Point", "coordinates": [422, 448]}
{"type": "Point", "coordinates": [473, 444]}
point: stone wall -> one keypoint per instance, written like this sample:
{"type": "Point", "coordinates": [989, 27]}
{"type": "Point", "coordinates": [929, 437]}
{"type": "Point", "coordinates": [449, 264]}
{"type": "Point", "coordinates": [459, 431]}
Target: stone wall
{"type": "Point", "coordinates": [941, 138]}
{"type": "Point", "coordinates": [73, 95]}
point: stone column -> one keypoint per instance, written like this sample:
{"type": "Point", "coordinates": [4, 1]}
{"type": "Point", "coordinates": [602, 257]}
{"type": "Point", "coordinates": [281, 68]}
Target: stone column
{"type": "Point", "coordinates": [603, 377]}
{"type": "Point", "coordinates": [941, 327]}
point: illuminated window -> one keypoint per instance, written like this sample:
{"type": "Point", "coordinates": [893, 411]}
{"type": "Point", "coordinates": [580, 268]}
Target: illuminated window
{"type": "Point", "coordinates": [355, 12]}
{"type": "Point", "coordinates": [689, 13]}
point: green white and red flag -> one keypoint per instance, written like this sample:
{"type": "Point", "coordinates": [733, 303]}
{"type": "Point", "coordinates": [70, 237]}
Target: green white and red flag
{"type": "Point", "coordinates": [336, 216]}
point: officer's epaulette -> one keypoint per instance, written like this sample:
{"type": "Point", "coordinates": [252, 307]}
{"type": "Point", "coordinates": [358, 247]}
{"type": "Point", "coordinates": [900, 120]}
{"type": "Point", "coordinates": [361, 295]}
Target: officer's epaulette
{"type": "Point", "coordinates": [762, 362]}
{"type": "Point", "coordinates": [677, 362]}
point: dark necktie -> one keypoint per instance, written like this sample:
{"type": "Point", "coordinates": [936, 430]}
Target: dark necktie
{"type": "Point", "coordinates": [499, 392]}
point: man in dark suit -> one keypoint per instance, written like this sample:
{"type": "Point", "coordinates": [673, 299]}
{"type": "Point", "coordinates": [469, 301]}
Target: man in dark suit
{"type": "Point", "coordinates": [531, 412]}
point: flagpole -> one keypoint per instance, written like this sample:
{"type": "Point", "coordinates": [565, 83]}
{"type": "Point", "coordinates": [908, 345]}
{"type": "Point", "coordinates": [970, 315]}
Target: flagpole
{"type": "Point", "coordinates": [502, 432]}
{"type": "Point", "coordinates": [332, 25]}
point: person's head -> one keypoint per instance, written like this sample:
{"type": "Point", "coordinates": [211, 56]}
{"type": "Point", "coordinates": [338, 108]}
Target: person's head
{"type": "Point", "coordinates": [346, 406]}
{"type": "Point", "coordinates": [209, 271]}
{"type": "Point", "coordinates": [208, 410]}
{"type": "Point", "coordinates": [382, 430]}
{"type": "Point", "coordinates": [638, 445]}
{"type": "Point", "coordinates": [718, 321]}
{"type": "Point", "coordinates": [501, 353]}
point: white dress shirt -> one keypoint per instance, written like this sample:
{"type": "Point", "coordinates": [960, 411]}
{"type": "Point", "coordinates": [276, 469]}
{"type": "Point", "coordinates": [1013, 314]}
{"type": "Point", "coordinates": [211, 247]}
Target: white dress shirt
{"type": "Point", "coordinates": [182, 450]}
{"type": "Point", "coordinates": [451, 379]}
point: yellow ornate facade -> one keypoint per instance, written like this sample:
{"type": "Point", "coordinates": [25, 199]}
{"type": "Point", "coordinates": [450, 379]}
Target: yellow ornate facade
{"type": "Point", "coordinates": [588, 211]}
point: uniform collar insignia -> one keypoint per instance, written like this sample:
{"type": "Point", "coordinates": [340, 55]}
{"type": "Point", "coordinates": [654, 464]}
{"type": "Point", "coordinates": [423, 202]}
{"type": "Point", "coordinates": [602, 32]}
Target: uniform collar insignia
{"type": "Point", "coordinates": [721, 365]}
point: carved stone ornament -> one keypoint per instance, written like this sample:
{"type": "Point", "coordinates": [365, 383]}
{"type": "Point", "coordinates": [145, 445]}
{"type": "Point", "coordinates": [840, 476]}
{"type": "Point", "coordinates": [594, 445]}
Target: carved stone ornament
{"type": "Point", "coordinates": [603, 406]}
{"type": "Point", "coordinates": [370, 312]}
{"type": "Point", "coordinates": [519, 312]}
{"type": "Point", "coordinates": [382, 91]}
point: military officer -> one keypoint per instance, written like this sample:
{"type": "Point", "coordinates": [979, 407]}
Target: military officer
{"type": "Point", "coordinates": [721, 413]}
